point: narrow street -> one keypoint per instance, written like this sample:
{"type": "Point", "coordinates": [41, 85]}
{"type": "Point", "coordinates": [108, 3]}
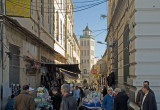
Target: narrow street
{"type": "Point", "coordinates": [79, 55]}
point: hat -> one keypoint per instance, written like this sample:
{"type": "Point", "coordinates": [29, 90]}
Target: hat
{"type": "Point", "coordinates": [31, 89]}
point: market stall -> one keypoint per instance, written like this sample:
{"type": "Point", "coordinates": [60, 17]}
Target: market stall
{"type": "Point", "coordinates": [43, 100]}
{"type": "Point", "coordinates": [92, 101]}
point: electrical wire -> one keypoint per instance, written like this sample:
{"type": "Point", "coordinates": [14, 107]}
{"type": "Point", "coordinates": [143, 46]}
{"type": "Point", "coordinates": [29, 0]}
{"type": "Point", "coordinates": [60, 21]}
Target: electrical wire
{"type": "Point", "coordinates": [100, 33]}
{"type": "Point", "coordinates": [73, 2]}
{"type": "Point", "coordinates": [83, 7]}
{"type": "Point", "coordinates": [51, 3]}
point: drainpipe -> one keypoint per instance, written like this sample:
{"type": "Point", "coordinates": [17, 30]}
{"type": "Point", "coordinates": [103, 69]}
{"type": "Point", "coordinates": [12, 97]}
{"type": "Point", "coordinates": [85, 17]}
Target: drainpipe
{"type": "Point", "coordinates": [1, 63]}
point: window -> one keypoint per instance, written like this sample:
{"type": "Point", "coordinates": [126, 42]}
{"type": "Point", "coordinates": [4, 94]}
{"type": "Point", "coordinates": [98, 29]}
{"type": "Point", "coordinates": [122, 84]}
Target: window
{"type": "Point", "coordinates": [42, 12]}
{"type": "Point", "coordinates": [85, 33]}
{"type": "Point", "coordinates": [84, 43]}
{"type": "Point", "coordinates": [81, 43]}
{"type": "Point", "coordinates": [126, 52]}
{"type": "Point", "coordinates": [87, 52]}
{"type": "Point", "coordinates": [82, 61]}
{"type": "Point", "coordinates": [14, 73]}
{"type": "Point", "coordinates": [84, 52]}
{"type": "Point", "coordinates": [57, 26]}
{"type": "Point", "coordinates": [88, 61]}
{"type": "Point", "coordinates": [84, 71]}
{"type": "Point", "coordinates": [88, 43]}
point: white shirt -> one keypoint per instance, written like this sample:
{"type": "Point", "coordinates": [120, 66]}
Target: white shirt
{"type": "Point", "coordinates": [143, 101]}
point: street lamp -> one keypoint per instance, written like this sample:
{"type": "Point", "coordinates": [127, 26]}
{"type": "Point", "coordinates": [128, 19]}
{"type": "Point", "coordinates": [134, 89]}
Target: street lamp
{"type": "Point", "coordinates": [101, 42]}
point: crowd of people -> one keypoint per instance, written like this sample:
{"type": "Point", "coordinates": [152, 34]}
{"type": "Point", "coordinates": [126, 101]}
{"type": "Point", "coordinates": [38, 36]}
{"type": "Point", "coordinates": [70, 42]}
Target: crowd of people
{"type": "Point", "coordinates": [69, 98]}
{"type": "Point", "coordinates": [118, 99]}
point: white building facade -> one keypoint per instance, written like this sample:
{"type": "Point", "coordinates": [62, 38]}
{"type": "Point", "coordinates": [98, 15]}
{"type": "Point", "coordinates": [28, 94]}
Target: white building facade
{"type": "Point", "coordinates": [87, 53]}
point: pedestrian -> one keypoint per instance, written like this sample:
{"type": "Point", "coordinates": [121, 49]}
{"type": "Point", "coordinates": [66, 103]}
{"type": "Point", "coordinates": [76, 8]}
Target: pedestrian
{"type": "Point", "coordinates": [81, 94]}
{"type": "Point", "coordinates": [149, 101]}
{"type": "Point", "coordinates": [104, 92]}
{"type": "Point", "coordinates": [140, 94]}
{"type": "Point", "coordinates": [120, 100]}
{"type": "Point", "coordinates": [107, 103]}
{"type": "Point", "coordinates": [68, 101]}
{"type": "Point", "coordinates": [9, 105]}
{"type": "Point", "coordinates": [71, 89]}
{"type": "Point", "coordinates": [24, 101]}
{"type": "Point", "coordinates": [76, 95]}
{"type": "Point", "coordinates": [57, 98]}
{"type": "Point", "coordinates": [86, 91]}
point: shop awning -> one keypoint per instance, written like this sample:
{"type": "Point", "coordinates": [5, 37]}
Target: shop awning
{"type": "Point", "coordinates": [69, 74]}
{"type": "Point", "coordinates": [73, 68]}
{"type": "Point", "coordinates": [69, 70]}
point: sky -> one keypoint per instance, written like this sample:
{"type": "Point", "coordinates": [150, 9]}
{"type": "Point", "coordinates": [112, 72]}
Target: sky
{"type": "Point", "coordinates": [93, 18]}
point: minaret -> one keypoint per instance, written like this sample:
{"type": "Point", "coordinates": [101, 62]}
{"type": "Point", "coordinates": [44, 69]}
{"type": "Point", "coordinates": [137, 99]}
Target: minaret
{"type": "Point", "coordinates": [87, 53]}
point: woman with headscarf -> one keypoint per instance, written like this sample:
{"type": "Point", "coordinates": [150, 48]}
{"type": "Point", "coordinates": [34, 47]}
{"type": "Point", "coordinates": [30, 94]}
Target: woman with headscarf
{"type": "Point", "coordinates": [107, 103]}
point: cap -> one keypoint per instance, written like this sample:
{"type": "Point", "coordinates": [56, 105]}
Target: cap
{"type": "Point", "coordinates": [31, 89]}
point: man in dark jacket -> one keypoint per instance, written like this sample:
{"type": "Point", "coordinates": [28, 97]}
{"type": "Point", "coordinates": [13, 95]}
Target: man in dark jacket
{"type": "Point", "coordinates": [149, 101]}
{"type": "Point", "coordinates": [104, 91]}
{"type": "Point", "coordinates": [24, 101]}
{"type": "Point", "coordinates": [68, 101]}
{"type": "Point", "coordinates": [120, 100]}
{"type": "Point", "coordinates": [140, 94]}
{"type": "Point", "coordinates": [57, 98]}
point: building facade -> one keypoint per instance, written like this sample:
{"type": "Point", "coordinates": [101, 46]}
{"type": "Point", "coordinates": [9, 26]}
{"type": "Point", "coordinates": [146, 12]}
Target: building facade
{"type": "Point", "coordinates": [133, 44]}
{"type": "Point", "coordinates": [87, 53]}
{"type": "Point", "coordinates": [69, 32]}
{"type": "Point", "coordinates": [45, 37]}
{"type": "Point", "coordinates": [76, 56]}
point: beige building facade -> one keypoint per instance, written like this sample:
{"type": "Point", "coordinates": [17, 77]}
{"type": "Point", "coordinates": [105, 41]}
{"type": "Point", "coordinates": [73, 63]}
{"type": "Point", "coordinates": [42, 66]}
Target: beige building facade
{"type": "Point", "coordinates": [133, 48]}
{"type": "Point", "coordinates": [45, 37]}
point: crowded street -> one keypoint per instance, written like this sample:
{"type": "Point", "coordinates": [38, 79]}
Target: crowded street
{"type": "Point", "coordinates": [79, 54]}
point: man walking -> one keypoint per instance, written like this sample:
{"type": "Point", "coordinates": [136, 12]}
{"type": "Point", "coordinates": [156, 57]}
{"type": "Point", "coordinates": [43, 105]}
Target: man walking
{"type": "Point", "coordinates": [76, 95]}
{"type": "Point", "coordinates": [24, 101]}
{"type": "Point", "coordinates": [120, 100]}
{"type": "Point", "coordinates": [68, 101]}
{"type": "Point", "coordinates": [148, 102]}
{"type": "Point", "coordinates": [57, 98]}
{"type": "Point", "coordinates": [140, 94]}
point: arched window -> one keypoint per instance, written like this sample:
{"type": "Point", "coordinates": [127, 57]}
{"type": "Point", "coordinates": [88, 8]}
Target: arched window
{"type": "Point", "coordinates": [126, 52]}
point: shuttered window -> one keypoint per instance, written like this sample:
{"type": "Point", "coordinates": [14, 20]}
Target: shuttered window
{"type": "Point", "coordinates": [126, 52]}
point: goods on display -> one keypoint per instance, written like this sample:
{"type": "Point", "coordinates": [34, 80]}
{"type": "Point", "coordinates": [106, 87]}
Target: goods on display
{"type": "Point", "coordinates": [92, 100]}
{"type": "Point", "coordinates": [43, 99]}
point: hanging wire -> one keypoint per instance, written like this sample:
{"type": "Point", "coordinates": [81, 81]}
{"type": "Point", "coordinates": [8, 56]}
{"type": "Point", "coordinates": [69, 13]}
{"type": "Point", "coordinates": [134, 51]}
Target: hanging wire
{"type": "Point", "coordinates": [65, 11]}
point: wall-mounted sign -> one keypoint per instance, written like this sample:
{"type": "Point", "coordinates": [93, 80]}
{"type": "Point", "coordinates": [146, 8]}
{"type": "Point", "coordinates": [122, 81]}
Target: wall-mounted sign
{"type": "Point", "coordinates": [94, 71]}
{"type": "Point", "coordinates": [18, 8]}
